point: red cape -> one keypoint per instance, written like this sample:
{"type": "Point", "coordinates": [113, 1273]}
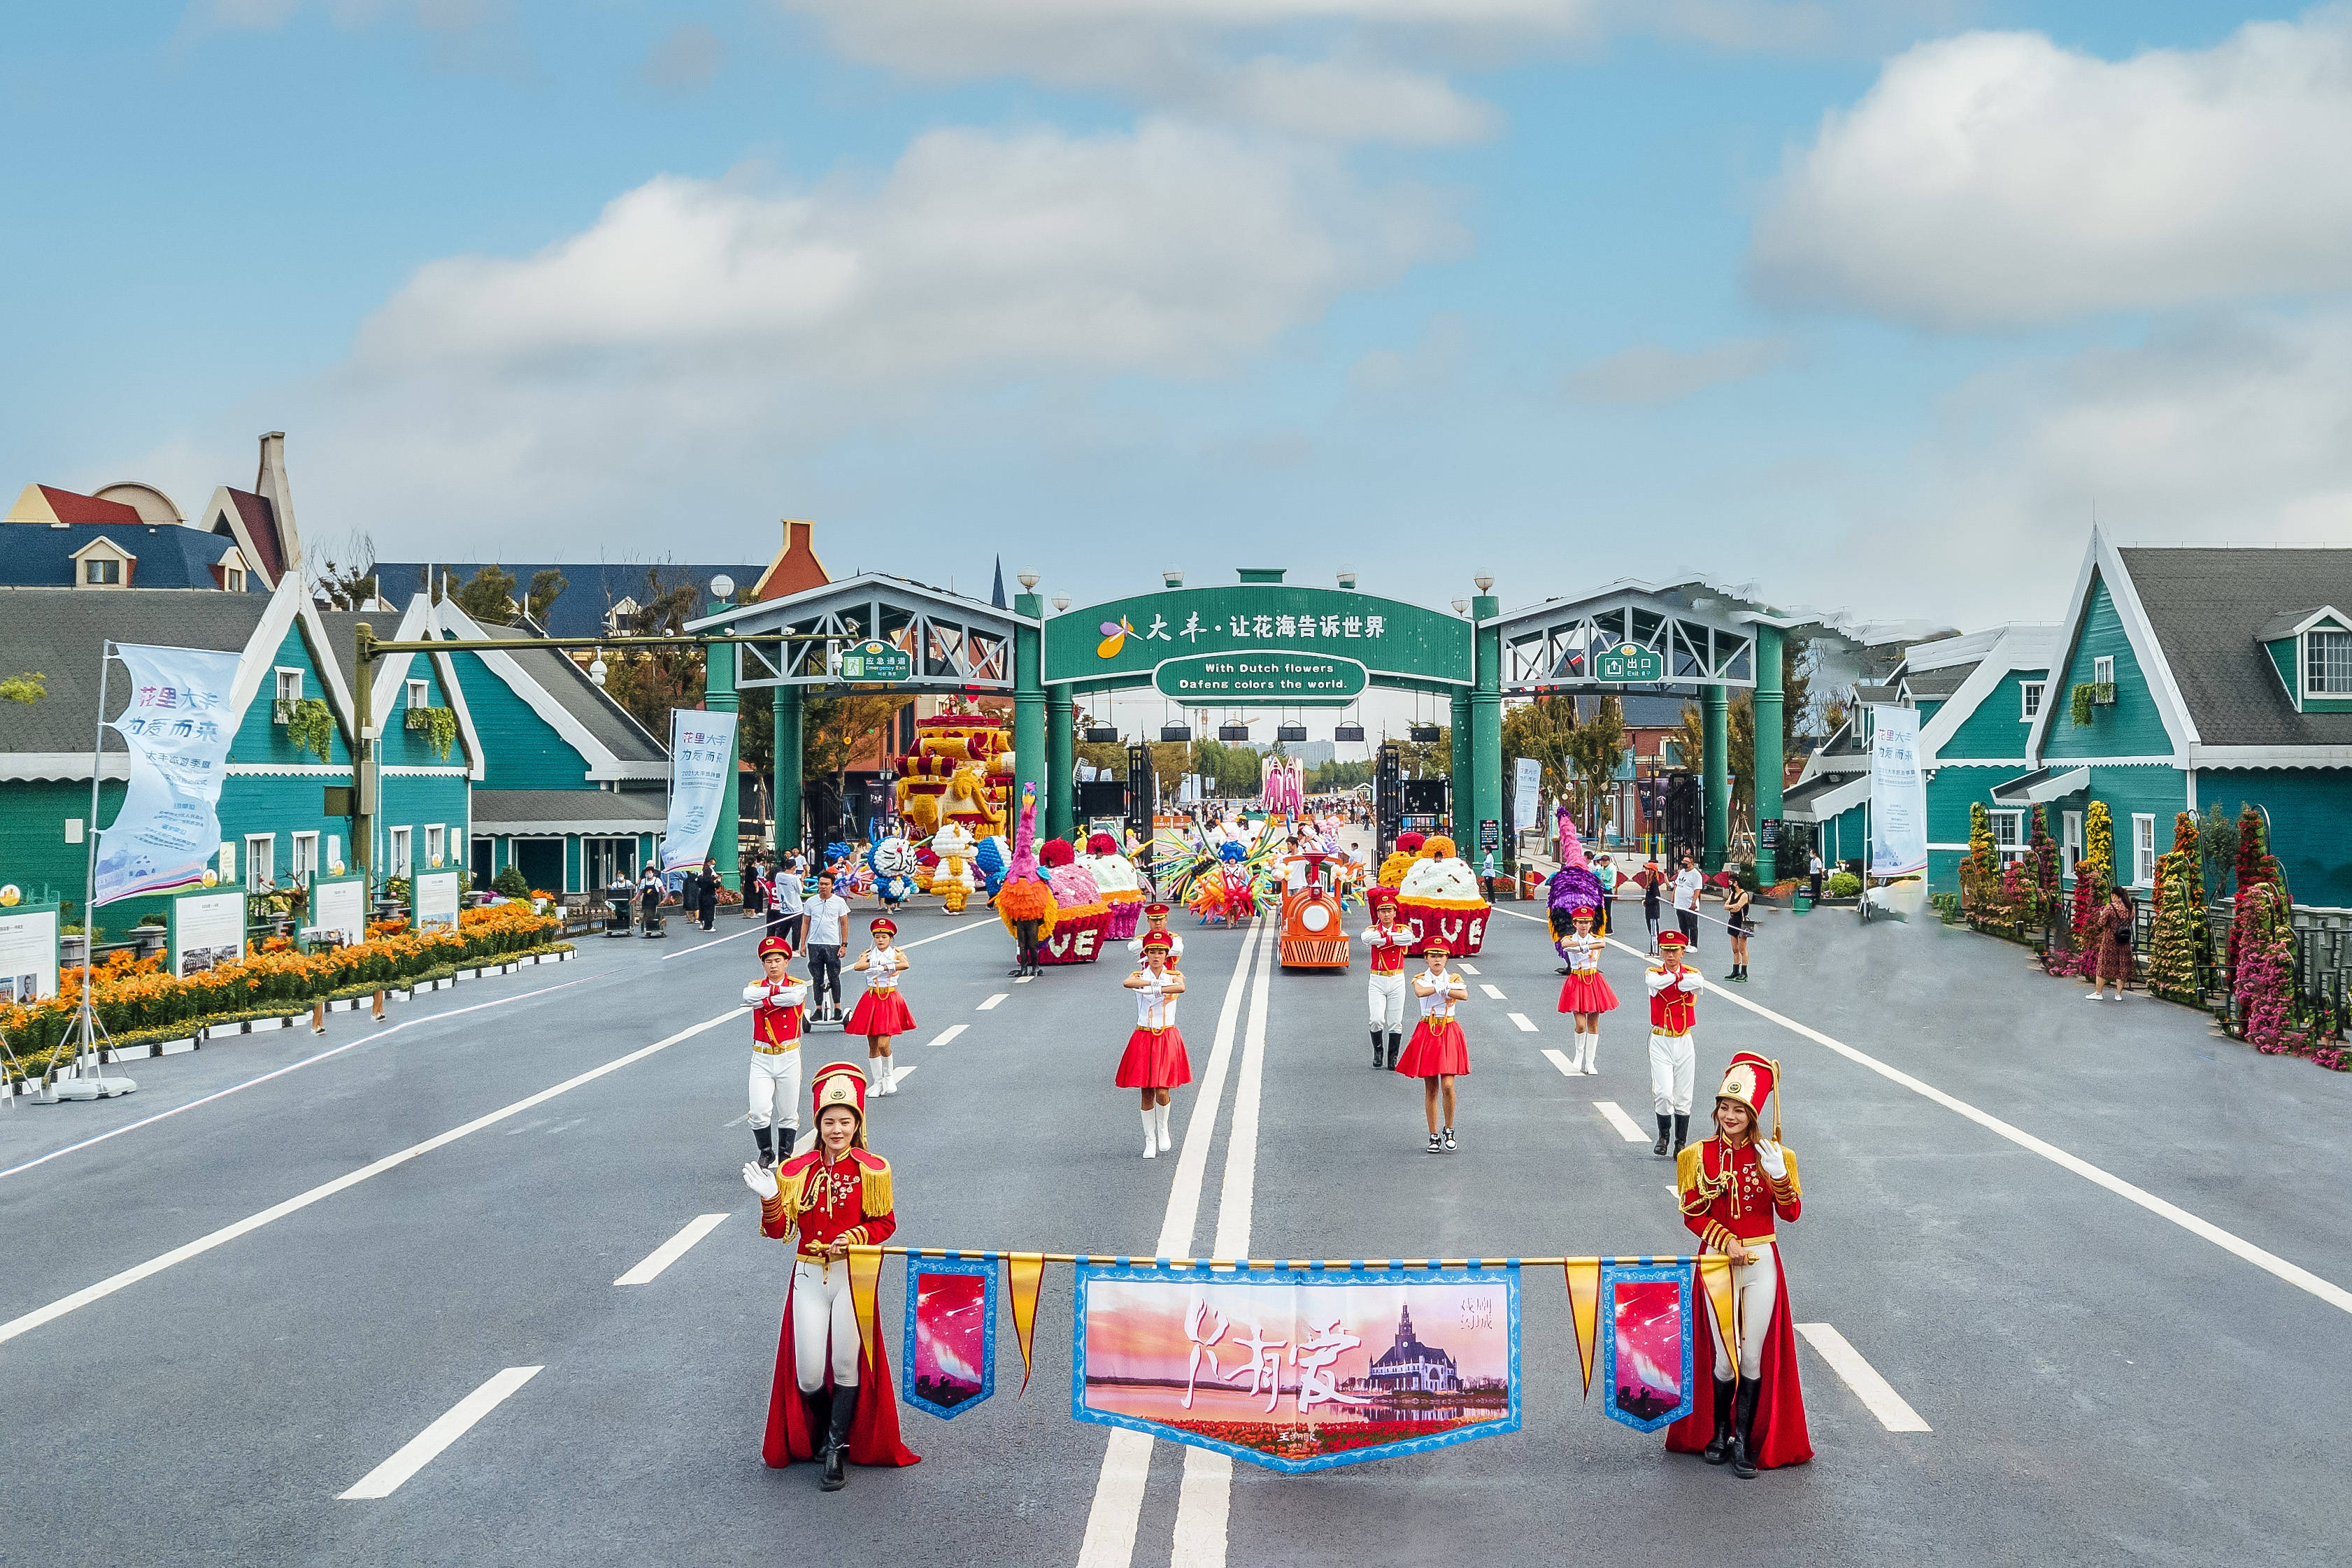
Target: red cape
{"type": "Point", "coordinates": [873, 1431]}
{"type": "Point", "coordinates": [1780, 1434]}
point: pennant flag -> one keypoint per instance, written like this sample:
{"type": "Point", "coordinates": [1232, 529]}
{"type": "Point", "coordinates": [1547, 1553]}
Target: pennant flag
{"type": "Point", "coordinates": [951, 1347]}
{"type": "Point", "coordinates": [864, 1292]}
{"type": "Point", "coordinates": [1584, 1306]}
{"type": "Point", "coordinates": [1645, 1347]}
{"type": "Point", "coordinates": [1024, 1273]}
{"type": "Point", "coordinates": [1715, 1272]}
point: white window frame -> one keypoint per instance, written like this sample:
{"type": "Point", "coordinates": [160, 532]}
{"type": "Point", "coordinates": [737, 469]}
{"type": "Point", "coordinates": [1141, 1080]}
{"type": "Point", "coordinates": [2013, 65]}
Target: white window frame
{"type": "Point", "coordinates": [2102, 670]}
{"type": "Point", "coordinates": [402, 862]}
{"type": "Point", "coordinates": [264, 863]}
{"type": "Point", "coordinates": [288, 687]}
{"type": "Point", "coordinates": [2029, 695]}
{"type": "Point", "coordinates": [418, 694]}
{"type": "Point", "coordinates": [2143, 849]}
{"type": "Point", "coordinates": [436, 842]}
{"type": "Point", "coordinates": [2074, 842]}
{"type": "Point", "coordinates": [2310, 689]}
{"type": "Point", "coordinates": [304, 865]}
{"type": "Point", "coordinates": [2013, 847]}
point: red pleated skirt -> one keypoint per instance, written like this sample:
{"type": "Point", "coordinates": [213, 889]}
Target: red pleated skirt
{"type": "Point", "coordinates": [1587, 993]}
{"type": "Point", "coordinates": [881, 1011]}
{"type": "Point", "coordinates": [1154, 1061]}
{"type": "Point", "coordinates": [1436, 1049]}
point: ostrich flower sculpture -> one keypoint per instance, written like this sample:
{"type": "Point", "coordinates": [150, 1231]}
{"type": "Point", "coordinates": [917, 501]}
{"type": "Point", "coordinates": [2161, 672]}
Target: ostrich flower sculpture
{"type": "Point", "coordinates": [1573, 886]}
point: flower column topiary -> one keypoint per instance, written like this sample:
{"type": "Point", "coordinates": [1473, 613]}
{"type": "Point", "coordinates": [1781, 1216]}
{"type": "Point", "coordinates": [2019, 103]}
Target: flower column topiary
{"type": "Point", "coordinates": [2264, 980]}
{"type": "Point", "coordinates": [2172, 961]}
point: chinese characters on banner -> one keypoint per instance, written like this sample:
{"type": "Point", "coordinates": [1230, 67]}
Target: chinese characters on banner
{"type": "Point", "coordinates": [177, 728]}
{"type": "Point", "coordinates": [701, 770]}
{"type": "Point", "coordinates": [949, 1365]}
{"type": "Point", "coordinates": [1898, 794]}
{"type": "Point", "coordinates": [1299, 1369]}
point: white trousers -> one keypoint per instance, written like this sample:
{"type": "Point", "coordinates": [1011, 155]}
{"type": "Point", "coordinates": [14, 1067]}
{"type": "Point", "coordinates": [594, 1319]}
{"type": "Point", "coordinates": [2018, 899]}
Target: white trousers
{"type": "Point", "coordinates": [1387, 998]}
{"type": "Point", "coordinates": [1674, 1064]}
{"type": "Point", "coordinates": [823, 1311]}
{"type": "Point", "coordinates": [776, 1089]}
{"type": "Point", "coordinates": [1757, 1286]}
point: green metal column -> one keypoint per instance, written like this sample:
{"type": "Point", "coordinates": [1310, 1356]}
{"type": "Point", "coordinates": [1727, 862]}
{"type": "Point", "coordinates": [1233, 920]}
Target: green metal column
{"type": "Point", "coordinates": [784, 704]}
{"type": "Point", "coordinates": [718, 697]}
{"type": "Point", "coordinates": [1028, 705]}
{"type": "Point", "coordinates": [1487, 733]}
{"type": "Point", "coordinates": [1465, 772]}
{"type": "Point", "coordinates": [1061, 762]}
{"type": "Point", "coordinates": [1766, 787]}
{"type": "Point", "coordinates": [1715, 763]}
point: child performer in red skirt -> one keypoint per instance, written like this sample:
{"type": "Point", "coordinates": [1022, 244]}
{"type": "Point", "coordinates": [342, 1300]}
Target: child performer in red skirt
{"type": "Point", "coordinates": [1155, 1061]}
{"type": "Point", "coordinates": [881, 1013]}
{"type": "Point", "coordinates": [1585, 993]}
{"type": "Point", "coordinates": [1436, 1054]}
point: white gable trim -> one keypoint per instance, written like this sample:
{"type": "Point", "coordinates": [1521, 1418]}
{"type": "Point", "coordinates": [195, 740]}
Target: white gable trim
{"type": "Point", "coordinates": [1992, 675]}
{"type": "Point", "coordinates": [416, 624]}
{"type": "Point", "coordinates": [602, 762]}
{"type": "Point", "coordinates": [2103, 561]}
{"type": "Point", "coordinates": [260, 656]}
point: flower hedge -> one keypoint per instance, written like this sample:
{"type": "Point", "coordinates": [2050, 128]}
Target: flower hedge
{"type": "Point", "coordinates": [135, 996]}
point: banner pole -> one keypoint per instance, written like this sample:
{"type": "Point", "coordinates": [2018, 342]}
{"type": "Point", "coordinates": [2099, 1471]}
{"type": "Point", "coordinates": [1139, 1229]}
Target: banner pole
{"type": "Point", "coordinates": [89, 1080]}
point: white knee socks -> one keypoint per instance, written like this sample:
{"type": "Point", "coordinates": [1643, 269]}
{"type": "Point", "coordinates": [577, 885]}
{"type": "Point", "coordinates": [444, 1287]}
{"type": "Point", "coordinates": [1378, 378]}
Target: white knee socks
{"type": "Point", "coordinates": [1159, 1120]}
{"type": "Point", "coordinates": [1591, 1060]}
{"type": "Point", "coordinates": [1150, 1129]}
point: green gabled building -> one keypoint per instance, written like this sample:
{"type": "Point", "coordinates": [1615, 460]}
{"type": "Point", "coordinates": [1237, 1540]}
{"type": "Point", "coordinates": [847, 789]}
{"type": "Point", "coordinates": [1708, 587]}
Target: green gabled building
{"type": "Point", "coordinates": [572, 790]}
{"type": "Point", "coordinates": [2184, 677]}
{"type": "Point", "coordinates": [1977, 696]}
{"type": "Point", "coordinates": [428, 757]}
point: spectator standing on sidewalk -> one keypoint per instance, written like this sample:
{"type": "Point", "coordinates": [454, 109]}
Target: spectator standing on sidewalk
{"type": "Point", "coordinates": [823, 919]}
{"type": "Point", "coordinates": [1687, 882]}
{"type": "Point", "coordinates": [1652, 879]}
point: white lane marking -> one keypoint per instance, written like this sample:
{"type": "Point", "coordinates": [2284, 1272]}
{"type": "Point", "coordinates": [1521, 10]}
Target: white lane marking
{"type": "Point", "coordinates": [944, 1036]}
{"type": "Point", "coordinates": [82, 1298]}
{"type": "Point", "coordinates": [421, 1450]}
{"type": "Point", "coordinates": [899, 1075]}
{"type": "Point", "coordinates": [1023, 979]}
{"type": "Point", "coordinates": [1204, 1503]}
{"type": "Point", "coordinates": [1862, 1377]}
{"type": "Point", "coordinates": [670, 1251]}
{"type": "Point", "coordinates": [715, 942]}
{"type": "Point", "coordinates": [291, 1067]}
{"type": "Point", "coordinates": [1491, 993]}
{"type": "Point", "coordinates": [1467, 968]}
{"type": "Point", "coordinates": [1525, 1026]}
{"type": "Point", "coordinates": [1617, 1118]}
{"type": "Point", "coordinates": [1127, 1458]}
{"type": "Point", "coordinates": [2302, 1278]}
{"type": "Point", "coordinates": [1560, 1059]}
{"type": "Point", "coordinates": [993, 1001]}
{"type": "Point", "coordinates": [942, 936]}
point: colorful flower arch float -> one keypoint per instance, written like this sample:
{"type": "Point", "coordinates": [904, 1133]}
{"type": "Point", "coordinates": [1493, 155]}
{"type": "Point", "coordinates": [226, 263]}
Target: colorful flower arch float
{"type": "Point", "coordinates": [1438, 897]}
{"type": "Point", "coordinates": [1080, 916]}
{"type": "Point", "coordinates": [1114, 878]}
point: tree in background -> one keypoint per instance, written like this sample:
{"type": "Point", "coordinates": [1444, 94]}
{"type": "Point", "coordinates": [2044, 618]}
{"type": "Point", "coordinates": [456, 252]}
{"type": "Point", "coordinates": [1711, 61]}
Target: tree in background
{"type": "Point", "coordinates": [2218, 848]}
{"type": "Point", "coordinates": [836, 729]}
{"type": "Point", "coordinates": [1541, 729]}
{"type": "Point", "coordinates": [1426, 759]}
{"type": "Point", "coordinates": [343, 577]}
{"type": "Point", "coordinates": [649, 682]}
{"type": "Point", "coordinates": [1331, 778]}
{"type": "Point", "coordinates": [546, 584]}
{"type": "Point", "coordinates": [489, 596]}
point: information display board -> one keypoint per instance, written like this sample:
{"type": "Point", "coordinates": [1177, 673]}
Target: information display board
{"type": "Point", "coordinates": [433, 899]}
{"type": "Point", "coordinates": [28, 952]}
{"type": "Point", "coordinates": [205, 930]}
{"type": "Point", "coordinates": [339, 904]}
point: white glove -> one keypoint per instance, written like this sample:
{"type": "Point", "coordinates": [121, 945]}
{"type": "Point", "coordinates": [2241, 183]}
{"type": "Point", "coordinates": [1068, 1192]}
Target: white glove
{"type": "Point", "coordinates": [1768, 1154]}
{"type": "Point", "coordinates": [1691, 980]}
{"type": "Point", "coordinates": [762, 1183]}
{"type": "Point", "coordinates": [757, 990]}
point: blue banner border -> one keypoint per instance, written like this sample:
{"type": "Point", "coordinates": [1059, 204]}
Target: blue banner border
{"type": "Point", "coordinates": [1614, 1273]}
{"type": "Point", "coordinates": [1354, 1273]}
{"type": "Point", "coordinates": [982, 1268]}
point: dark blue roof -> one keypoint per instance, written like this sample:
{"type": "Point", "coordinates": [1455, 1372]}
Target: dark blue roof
{"type": "Point", "coordinates": [40, 555]}
{"type": "Point", "coordinates": [591, 588]}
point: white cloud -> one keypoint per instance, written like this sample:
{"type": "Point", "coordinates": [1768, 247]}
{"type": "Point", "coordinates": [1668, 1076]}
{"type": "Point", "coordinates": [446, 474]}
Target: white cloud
{"type": "Point", "coordinates": [686, 60]}
{"type": "Point", "coordinates": [1997, 180]}
{"type": "Point", "coordinates": [1653, 373]}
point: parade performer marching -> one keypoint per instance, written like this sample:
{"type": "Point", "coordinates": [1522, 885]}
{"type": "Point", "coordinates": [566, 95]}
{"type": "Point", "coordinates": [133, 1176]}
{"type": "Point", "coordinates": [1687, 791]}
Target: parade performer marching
{"type": "Point", "coordinates": [1155, 1059]}
{"type": "Point", "coordinates": [775, 998]}
{"type": "Point", "coordinates": [1437, 1053]}
{"type": "Point", "coordinates": [835, 1196]}
{"type": "Point", "coordinates": [1387, 943]}
{"type": "Point", "coordinates": [1736, 1186]}
{"type": "Point", "coordinates": [1585, 994]}
{"type": "Point", "coordinates": [881, 1013]}
{"type": "Point", "coordinates": [1674, 1054]}
{"type": "Point", "coordinates": [1156, 924]}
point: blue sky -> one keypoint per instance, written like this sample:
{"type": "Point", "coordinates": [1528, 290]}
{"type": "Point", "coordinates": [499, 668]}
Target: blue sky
{"type": "Point", "coordinates": [1866, 305]}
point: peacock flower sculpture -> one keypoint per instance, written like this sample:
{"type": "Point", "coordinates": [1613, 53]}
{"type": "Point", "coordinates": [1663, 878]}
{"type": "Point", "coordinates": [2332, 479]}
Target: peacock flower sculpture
{"type": "Point", "coordinates": [1573, 886]}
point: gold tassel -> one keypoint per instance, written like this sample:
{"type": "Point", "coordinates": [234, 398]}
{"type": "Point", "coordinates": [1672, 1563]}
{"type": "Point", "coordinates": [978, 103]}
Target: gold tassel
{"type": "Point", "coordinates": [1779, 1093]}
{"type": "Point", "coordinates": [875, 1188]}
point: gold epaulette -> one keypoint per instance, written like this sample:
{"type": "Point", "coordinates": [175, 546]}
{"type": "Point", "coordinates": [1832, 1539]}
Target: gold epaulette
{"type": "Point", "coordinates": [1698, 1194]}
{"type": "Point", "coordinates": [791, 1189]}
{"type": "Point", "coordinates": [875, 1186]}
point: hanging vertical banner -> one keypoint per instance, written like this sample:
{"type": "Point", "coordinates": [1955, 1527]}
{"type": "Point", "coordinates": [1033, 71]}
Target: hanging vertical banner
{"type": "Point", "coordinates": [1715, 1279]}
{"type": "Point", "coordinates": [1898, 792]}
{"type": "Point", "coordinates": [950, 1358]}
{"type": "Point", "coordinates": [1584, 1311]}
{"type": "Point", "coordinates": [701, 771]}
{"type": "Point", "coordinates": [177, 728]}
{"type": "Point", "coordinates": [1527, 780]}
{"type": "Point", "coordinates": [1646, 1345]}
{"type": "Point", "coordinates": [1024, 1273]}
{"type": "Point", "coordinates": [1298, 1369]}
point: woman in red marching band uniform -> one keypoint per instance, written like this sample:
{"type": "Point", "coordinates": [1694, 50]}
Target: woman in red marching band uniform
{"type": "Point", "coordinates": [1585, 994]}
{"type": "Point", "coordinates": [835, 1196]}
{"type": "Point", "coordinates": [1735, 1187]}
{"type": "Point", "coordinates": [881, 1013]}
{"type": "Point", "coordinates": [1437, 1053]}
{"type": "Point", "coordinates": [1155, 1061]}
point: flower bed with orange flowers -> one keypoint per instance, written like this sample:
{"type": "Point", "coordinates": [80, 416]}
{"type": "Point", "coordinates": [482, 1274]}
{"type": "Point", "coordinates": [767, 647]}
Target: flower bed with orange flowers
{"type": "Point", "coordinates": [137, 1002]}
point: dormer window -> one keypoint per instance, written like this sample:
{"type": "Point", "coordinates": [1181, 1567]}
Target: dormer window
{"type": "Point", "coordinates": [103, 571]}
{"type": "Point", "coordinates": [2327, 663]}
{"type": "Point", "coordinates": [233, 580]}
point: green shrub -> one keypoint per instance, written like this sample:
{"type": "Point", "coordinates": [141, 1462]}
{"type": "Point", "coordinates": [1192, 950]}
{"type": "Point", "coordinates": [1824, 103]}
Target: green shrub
{"type": "Point", "coordinates": [1842, 885]}
{"type": "Point", "coordinates": [511, 883]}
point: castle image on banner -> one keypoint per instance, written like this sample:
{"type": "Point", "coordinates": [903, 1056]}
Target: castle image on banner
{"type": "Point", "coordinates": [1408, 1366]}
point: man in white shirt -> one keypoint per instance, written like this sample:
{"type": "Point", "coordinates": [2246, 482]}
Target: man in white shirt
{"type": "Point", "coordinates": [822, 919]}
{"type": "Point", "coordinates": [1687, 882]}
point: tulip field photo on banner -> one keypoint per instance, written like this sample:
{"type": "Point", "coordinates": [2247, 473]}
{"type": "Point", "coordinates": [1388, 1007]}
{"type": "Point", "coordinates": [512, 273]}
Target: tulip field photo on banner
{"type": "Point", "coordinates": [950, 1362]}
{"type": "Point", "coordinates": [1298, 1369]}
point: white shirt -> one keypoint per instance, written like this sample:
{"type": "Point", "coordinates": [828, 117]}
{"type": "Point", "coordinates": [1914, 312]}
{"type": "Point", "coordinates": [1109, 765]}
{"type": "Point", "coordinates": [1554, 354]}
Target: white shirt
{"type": "Point", "coordinates": [1686, 887]}
{"type": "Point", "coordinates": [882, 967]}
{"type": "Point", "coordinates": [1582, 953]}
{"type": "Point", "coordinates": [788, 888]}
{"type": "Point", "coordinates": [825, 917]}
{"type": "Point", "coordinates": [1155, 1008]}
{"type": "Point", "coordinates": [1438, 1002]}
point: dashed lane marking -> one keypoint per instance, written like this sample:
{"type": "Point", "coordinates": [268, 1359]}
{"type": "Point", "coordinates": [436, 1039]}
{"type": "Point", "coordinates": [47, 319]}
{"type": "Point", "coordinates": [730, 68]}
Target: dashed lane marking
{"type": "Point", "coordinates": [1862, 1377]}
{"type": "Point", "coordinates": [1491, 993]}
{"type": "Point", "coordinates": [1616, 1117]}
{"type": "Point", "coordinates": [1527, 1026]}
{"type": "Point", "coordinates": [715, 942]}
{"type": "Point", "coordinates": [670, 1251]}
{"type": "Point", "coordinates": [1560, 1059]}
{"type": "Point", "coordinates": [944, 1036]}
{"type": "Point", "coordinates": [1467, 968]}
{"type": "Point", "coordinates": [993, 1001]}
{"type": "Point", "coordinates": [422, 1449]}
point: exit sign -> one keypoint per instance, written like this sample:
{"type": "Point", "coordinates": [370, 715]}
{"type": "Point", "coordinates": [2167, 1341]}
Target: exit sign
{"type": "Point", "coordinates": [1630, 662]}
{"type": "Point", "coordinates": [877, 661]}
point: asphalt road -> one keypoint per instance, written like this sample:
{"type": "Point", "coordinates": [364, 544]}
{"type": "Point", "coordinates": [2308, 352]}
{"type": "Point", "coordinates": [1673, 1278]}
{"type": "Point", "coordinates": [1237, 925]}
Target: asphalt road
{"type": "Point", "coordinates": [2107, 1380]}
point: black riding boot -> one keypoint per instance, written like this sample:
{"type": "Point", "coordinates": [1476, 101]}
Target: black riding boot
{"type": "Point", "coordinates": [836, 1437]}
{"type": "Point", "coordinates": [1665, 1130]}
{"type": "Point", "coordinates": [817, 1410]}
{"type": "Point", "coordinates": [1719, 1449]}
{"type": "Point", "coordinates": [1682, 1132]}
{"type": "Point", "coordinates": [1396, 1043]}
{"type": "Point", "coordinates": [1743, 1439]}
{"type": "Point", "coordinates": [767, 1150]}
{"type": "Point", "coordinates": [1376, 1049]}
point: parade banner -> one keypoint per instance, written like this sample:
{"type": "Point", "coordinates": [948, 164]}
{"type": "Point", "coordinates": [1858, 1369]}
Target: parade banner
{"type": "Point", "coordinates": [177, 729]}
{"type": "Point", "coordinates": [1645, 1341]}
{"type": "Point", "coordinates": [1024, 1273]}
{"type": "Point", "coordinates": [1298, 1369]}
{"type": "Point", "coordinates": [1898, 792]}
{"type": "Point", "coordinates": [1584, 1311]}
{"type": "Point", "coordinates": [205, 930]}
{"type": "Point", "coordinates": [950, 1359]}
{"type": "Point", "coordinates": [701, 770]}
{"type": "Point", "coordinates": [1527, 782]}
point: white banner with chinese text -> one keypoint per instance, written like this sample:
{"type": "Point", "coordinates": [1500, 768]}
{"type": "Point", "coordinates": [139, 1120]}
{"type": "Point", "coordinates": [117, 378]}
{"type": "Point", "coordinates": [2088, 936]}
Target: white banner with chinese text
{"type": "Point", "coordinates": [177, 728]}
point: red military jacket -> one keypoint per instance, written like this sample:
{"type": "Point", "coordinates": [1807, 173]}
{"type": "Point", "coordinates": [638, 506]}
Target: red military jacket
{"type": "Point", "coordinates": [1673, 1010]}
{"type": "Point", "coordinates": [776, 1016]}
{"type": "Point", "coordinates": [1726, 1196]}
{"type": "Point", "coordinates": [843, 1200]}
{"type": "Point", "coordinates": [1388, 948]}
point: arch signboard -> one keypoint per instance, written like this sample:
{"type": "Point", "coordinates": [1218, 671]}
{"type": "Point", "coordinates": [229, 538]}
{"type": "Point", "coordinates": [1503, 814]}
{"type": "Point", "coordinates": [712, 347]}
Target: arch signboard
{"type": "Point", "coordinates": [1258, 644]}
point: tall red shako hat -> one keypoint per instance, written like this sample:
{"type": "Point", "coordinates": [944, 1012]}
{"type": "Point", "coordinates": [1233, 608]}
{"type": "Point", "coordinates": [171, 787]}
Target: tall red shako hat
{"type": "Point", "coordinates": [842, 1084]}
{"type": "Point", "coordinates": [1750, 1080]}
{"type": "Point", "coordinates": [883, 925]}
{"type": "Point", "coordinates": [1380, 897]}
{"type": "Point", "coordinates": [1672, 939]}
{"type": "Point", "coordinates": [768, 944]}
